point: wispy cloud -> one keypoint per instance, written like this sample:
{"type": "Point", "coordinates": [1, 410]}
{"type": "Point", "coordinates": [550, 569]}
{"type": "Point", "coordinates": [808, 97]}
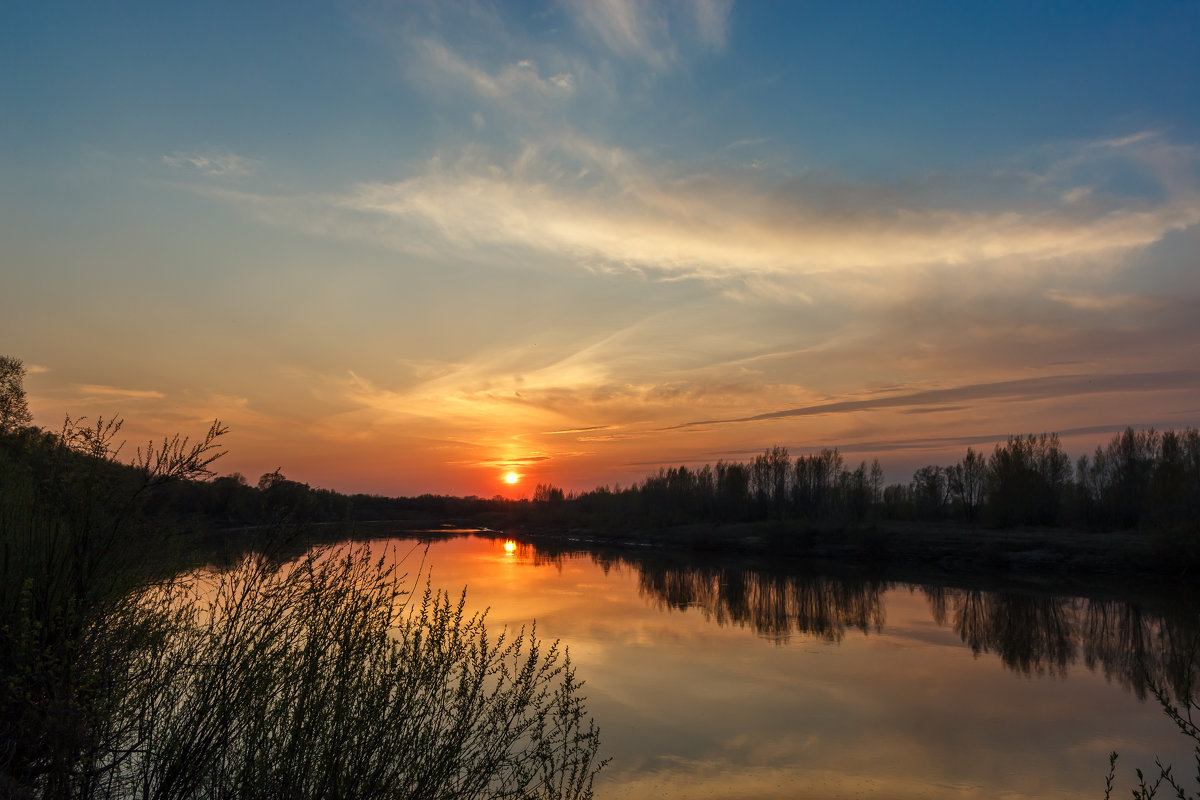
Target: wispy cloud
{"type": "Point", "coordinates": [573, 203]}
{"type": "Point", "coordinates": [116, 392]}
{"type": "Point", "coordinates": [601, 207]}
{"type": "Point", "coordinates": [1024, 389]}
{"type": "Point", "coordinates": [943, 442]}
{"type": "Point", "coordinates": [218, 164]}
{"type": "Point", "coordinates": [712, 21]}
{"type": "Point", "coordinates": [751, 141]}
{"type": "Point", "coordinates": [651, 32]}
{"type": "Point", "coordinates": [629, 28]}
{"type": "Point", "coordinates": [515, 82]}
{"type": "Point", "coordinates": [586, 429]}
{"type": "Point", "coordinates": [1086, 301]}
{"type": "Point", "coordinates": [512, 462]}
{"type": "Point", "coordinates": [1077, 193]}
{"type": "Point", "coordinates": [1125, 141]}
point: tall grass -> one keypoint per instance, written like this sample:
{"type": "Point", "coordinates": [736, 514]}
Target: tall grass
{"type": "Point", "coordinates": [325, 677]}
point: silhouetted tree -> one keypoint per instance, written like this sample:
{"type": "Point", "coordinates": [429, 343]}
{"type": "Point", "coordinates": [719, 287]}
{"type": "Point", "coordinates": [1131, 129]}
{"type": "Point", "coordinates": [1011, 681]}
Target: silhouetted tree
{"type": "Point", "coordinates": [876, 482]}
{"type": "Point", "coordinates": [855, 491]}
{"type": "Point", "coordinates": [14, 408]}
{"type": "Point", "coordinates": [769, 478]}
{"type": "Point", "coordinates": [1131, 457]}
{"type": "Point", "coordinates": [1175, 484]}
{"type": "Point", "coordinates": [898, 503]}
{"type": "Point", "coordinates": [930, 492]}
{"type": "Point", "coordinates": [1140, 477]}
{"type": "Point", "coordinates": [548, 494]}
{"type": "Point", "coordinates": [816, 478]}
{"type": "Point", "coordinates": [1027, 480]}
{"type": "Point", "coordinates": [966, 480]}
{"type": "Point", "coordinates": [733, 490]}
{"type": "Point", "coordinates": [282, 498]}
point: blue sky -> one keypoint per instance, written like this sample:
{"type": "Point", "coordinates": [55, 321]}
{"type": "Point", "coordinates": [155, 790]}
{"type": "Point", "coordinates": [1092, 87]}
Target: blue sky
{"type": "Point", "coordinates": [404, 247]}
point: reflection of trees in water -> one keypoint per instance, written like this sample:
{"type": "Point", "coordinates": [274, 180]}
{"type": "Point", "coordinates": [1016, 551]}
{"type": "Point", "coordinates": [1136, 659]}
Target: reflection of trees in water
{"type": "Point", "coordinates": [772, 605]}
{"type": "Point", "coordinates": [1032, 633]}
{"type": "Point", "coordinates": [1130, 645]}
{"type": "Point", "coordinates": [1040, 634]}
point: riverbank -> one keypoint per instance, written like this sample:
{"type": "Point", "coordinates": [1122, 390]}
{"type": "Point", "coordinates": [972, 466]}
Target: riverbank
{"type": "Point", "coordinates": [1032, 554]}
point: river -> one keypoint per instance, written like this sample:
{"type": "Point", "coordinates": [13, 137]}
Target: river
{"type": "Point", "coordinates": [726, 678]}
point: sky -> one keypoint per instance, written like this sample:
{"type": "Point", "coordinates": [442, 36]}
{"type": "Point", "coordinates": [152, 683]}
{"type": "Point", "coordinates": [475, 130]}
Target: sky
{"type": "Point", "coordinates": [408, 247]}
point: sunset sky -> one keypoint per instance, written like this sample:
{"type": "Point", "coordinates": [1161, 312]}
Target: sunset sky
{"type": "Point", "coordinates": [404, 247]}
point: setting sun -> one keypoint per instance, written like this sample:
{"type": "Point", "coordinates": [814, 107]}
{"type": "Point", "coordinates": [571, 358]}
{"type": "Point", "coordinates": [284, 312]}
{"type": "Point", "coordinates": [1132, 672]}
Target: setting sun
{"type": "Point", "coordinates": [511, 477]}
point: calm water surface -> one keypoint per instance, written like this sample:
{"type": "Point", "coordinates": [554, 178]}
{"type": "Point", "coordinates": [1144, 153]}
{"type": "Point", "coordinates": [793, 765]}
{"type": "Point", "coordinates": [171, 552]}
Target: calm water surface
{"type": "Point", "coordinates": [712, 680]}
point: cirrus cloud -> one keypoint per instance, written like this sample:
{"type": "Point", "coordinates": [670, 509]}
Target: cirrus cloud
{"type": "Point", "coordinates": [579, 202]}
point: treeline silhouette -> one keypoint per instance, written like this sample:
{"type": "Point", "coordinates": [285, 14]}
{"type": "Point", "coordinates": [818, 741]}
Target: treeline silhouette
{"type": "Point", "coordinates": [1140, 479]}
{"type": "Point", "coordinates": [34, 461]}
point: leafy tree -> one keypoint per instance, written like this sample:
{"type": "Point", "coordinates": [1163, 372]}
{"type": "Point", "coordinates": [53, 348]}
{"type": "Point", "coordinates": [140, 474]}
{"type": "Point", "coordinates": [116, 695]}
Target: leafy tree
{"type": "Point", "coordinates": [282, 498]}
{"type": "Point", "coordinates": [14, 408]}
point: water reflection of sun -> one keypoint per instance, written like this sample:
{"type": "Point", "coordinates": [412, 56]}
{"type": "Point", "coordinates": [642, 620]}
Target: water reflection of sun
{"type": "Point", "coordinates": [510, 546]}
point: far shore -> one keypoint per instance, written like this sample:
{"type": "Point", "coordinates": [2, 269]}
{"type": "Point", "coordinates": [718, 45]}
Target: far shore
{"type": "Point", "coordinates": [1034, 555]}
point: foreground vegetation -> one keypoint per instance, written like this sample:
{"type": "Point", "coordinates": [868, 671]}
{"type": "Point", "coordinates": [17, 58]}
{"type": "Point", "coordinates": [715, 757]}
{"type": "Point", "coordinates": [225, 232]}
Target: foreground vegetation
{"type": "Point", "coordinates": [327, 679]}
{"type": "Point", "coordinates": [121, 677]}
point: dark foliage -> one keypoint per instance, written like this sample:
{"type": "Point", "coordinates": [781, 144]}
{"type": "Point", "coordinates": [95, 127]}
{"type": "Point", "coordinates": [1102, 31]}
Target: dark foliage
{"type": "Point", "coordinates": [1140, 480]}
